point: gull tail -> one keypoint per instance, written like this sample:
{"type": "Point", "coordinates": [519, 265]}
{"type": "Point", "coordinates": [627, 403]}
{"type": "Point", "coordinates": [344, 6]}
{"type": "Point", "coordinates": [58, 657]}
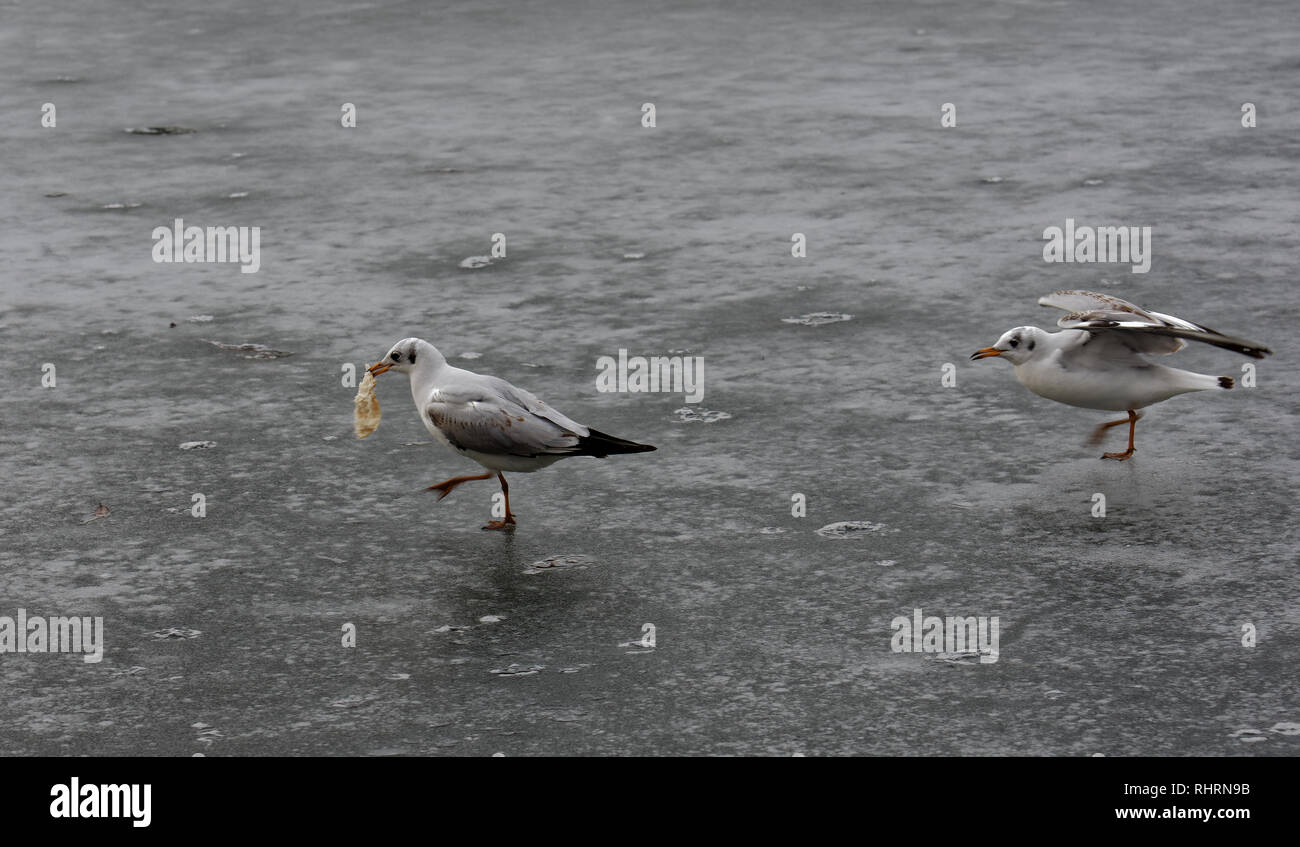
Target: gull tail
{"type": "Point", "coordinates": [600, 445]}
{"type": "Point", "coordinates": [1188, 381]}
{"type": "Point", "coordinates": [1181, 382]}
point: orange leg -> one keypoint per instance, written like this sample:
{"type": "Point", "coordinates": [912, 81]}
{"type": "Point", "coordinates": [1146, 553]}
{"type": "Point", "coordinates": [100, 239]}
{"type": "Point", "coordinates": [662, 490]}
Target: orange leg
{"type": "Point", "coordinates": [510, 518]}
{"type": "Point", "coordinates": [447, 486]}
{"type": "Point", "coordinates": [1100, 431]}
{"type": "Point", "coordinates": [1131, 420]}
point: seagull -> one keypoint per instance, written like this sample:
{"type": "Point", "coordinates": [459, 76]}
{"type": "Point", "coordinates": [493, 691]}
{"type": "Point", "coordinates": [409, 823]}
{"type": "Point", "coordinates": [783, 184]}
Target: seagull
{"type": "Point", "coordinates": [487, 419]}
{"type": "Point", "coordinates": [1098, 360]}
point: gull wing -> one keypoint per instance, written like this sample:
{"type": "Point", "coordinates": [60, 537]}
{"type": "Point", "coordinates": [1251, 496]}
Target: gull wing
{"type": "Point", "coordinates": [489, 415]}
{"type": "Point", "coordinates": [1141, 331]}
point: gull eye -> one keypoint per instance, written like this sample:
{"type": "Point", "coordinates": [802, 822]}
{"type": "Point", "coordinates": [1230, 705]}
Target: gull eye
{"type": "Point", "coordinates": [1015, 342]}
{"type": "Point", "coordinates": [397, 357]}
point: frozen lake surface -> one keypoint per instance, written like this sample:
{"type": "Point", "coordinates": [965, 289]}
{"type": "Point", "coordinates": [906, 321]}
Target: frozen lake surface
{"type": "Point", "coordinates": [1120, 635]}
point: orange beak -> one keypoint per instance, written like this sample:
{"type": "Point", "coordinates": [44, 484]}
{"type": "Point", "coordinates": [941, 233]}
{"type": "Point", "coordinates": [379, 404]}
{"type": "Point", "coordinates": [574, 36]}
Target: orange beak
{"type": "Point", "coordinates": [985, 352]}
{"type": "Point", "coordinates": [379, 367]}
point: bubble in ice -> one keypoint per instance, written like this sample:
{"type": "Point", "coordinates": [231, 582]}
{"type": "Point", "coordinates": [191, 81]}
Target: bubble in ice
{"type": "Point", "coordinates": [134, 670]}
{"type": "Point", "coordinates": [517, 670]}
{"type": "Point", "coordinates": [473, 262]}
{"type": "Point", "coordinates": [574, 561]}
{"type": "Point", "coordinates": [491, 619]}
{"type": "Point", "coordinates": [471, 355]}
{"type": "Point", "coordinates": [198, 445]}
{"type": "Point", "coordinates": [1094, 181]}
{"type": "Point", "coordinates": [633, 256]}
{"type": "Point", "coordinates": [1249, 736]}
{"type": "Point", "coordinates": [771, 530]}
{"type": "Point", "coordinates": [208, 736]}
{"type": "Point", "coordinates": [966, 657]}
{"type": "Point", "coordinates": [687, 414]}
{"type": "Point", "coordinates": [852, 529]}
{"type": "Point", "coordinates": [1286, 728]}
{"type": "Point", "coordinates": [817, 319]}
{"type": "Point", "coordinates": [251, 351]}
{"type": "Point", "coordinates": [174, 632]}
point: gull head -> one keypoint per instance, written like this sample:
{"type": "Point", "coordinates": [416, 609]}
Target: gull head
{"type": "Point", "coordinates": [1017, 345]}
{"type": "Point", "coordinates": [400, 357]}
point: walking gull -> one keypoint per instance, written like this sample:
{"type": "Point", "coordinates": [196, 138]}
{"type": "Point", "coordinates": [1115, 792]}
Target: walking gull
{"type": "Point", "coordinates": [487, 419]}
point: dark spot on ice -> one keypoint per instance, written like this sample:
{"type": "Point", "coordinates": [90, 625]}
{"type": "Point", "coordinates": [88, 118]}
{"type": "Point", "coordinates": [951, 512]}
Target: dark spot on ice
{"type": "Point", "coordinates": [160, 130]}
{"type": "Point", "coordinates": [817, 319]}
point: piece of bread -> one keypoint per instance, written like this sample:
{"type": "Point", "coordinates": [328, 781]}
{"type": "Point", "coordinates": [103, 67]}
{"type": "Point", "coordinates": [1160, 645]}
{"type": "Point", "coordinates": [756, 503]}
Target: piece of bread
{"type": "Point", "coordinates": [365, 415]}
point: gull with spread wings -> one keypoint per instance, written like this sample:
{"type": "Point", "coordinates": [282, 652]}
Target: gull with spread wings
{"type": "Point", "coordinates": [487, 419]}
{"type": "Point", "coordinates": [1098, 360]}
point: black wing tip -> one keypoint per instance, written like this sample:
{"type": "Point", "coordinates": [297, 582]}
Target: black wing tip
{"type": "Point", "coordinates": [600, 445]}
{"type": "Point", "coordinates": [1254, 351]}
{"type": "Point", "coordinates": [1226, 382]}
